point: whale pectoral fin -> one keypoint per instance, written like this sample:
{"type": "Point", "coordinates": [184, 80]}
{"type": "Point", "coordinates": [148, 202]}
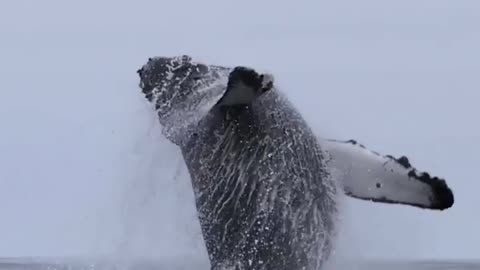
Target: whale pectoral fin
{"type": "Point", "coordinates": [368, 175]}
{"type": "Point", "coordinates": [244, 86]}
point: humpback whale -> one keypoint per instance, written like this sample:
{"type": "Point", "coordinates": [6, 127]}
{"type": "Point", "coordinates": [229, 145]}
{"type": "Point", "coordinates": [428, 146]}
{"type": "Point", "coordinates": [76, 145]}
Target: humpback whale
{"type": "Point", "coordinates": [265, 185]}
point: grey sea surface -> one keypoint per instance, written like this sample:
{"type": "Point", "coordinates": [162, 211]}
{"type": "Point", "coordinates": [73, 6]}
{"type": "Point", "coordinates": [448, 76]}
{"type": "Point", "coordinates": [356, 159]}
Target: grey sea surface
{"type": "Point", "coordinates": [62, 264]}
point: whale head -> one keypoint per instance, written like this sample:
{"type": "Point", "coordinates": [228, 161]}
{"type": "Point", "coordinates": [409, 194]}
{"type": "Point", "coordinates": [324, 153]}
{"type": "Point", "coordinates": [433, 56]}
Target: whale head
{"type": "Point", "coordinates": [173, 83]}
{"type": "Point", "coordinates": [181, 90]}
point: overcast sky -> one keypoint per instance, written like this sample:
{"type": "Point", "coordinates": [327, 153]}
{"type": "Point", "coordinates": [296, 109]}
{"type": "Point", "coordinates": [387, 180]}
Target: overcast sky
{"type": "Point", "coordinates": [78, 142]}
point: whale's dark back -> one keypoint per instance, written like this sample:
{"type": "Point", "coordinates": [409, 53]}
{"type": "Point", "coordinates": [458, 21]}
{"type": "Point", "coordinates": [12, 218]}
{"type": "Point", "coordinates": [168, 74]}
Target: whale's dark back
{"type": "Point", "coordinates": [264, 197]}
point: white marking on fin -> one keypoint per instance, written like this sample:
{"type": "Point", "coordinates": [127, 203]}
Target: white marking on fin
{"type": "Point", "coordinates": [368, 175]}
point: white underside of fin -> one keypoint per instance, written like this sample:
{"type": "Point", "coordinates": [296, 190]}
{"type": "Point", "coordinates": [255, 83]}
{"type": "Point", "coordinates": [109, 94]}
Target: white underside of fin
{"type": "Point", "coordinates": [368, 175]}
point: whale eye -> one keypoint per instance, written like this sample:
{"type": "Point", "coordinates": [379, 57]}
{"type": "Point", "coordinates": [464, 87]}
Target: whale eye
{"type": "Point", "coordinates": [267, 87]}
{"type": "Point", "coordinates": [378, 185]}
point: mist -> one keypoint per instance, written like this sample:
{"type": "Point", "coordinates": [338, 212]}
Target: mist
{"type": "Point", "coordinates": [84, 170]}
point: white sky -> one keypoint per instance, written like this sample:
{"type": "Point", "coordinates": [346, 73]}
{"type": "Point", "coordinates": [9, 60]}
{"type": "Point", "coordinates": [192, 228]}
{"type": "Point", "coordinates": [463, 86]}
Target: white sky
{"type": "Point", "coordinates": [76, 136]}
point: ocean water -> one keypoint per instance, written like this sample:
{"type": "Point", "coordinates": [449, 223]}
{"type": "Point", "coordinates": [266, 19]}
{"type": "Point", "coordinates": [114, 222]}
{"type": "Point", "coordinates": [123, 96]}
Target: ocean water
{"type": "Point", "coordinates": [53, 264]}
